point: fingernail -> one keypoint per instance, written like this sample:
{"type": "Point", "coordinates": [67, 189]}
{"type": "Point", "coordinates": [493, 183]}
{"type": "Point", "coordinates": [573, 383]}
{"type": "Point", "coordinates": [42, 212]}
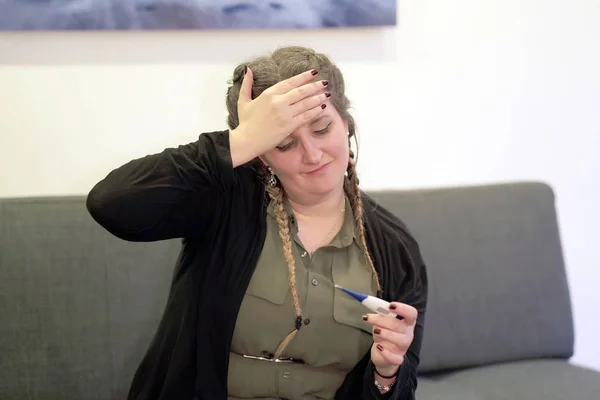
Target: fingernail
{"type": "Point", "coordinates": [379, 347]}
{"type": "Point", "coordinates": [327, 94]}
{"type": "Point", "coordinates": [325, 83]}
{"type": "Point", "coordinates": [365, 317]}
{"type": "Point", "coordinates": [377, 331]}
{"type": "Point", "coordinates": [314, 72]}
{"type": "Point", "coordinates": [392, 306]}
{"type": "Point", "coordinates": [245, 69]}
{"type": "Point", "coordinates": [323, 107]}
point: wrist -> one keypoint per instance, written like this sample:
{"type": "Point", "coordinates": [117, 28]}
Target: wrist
{"type": "Point", "coordinates": [386, 372]}
{"type": "Point", "coordinates": [240, 148]}
{"type": "Point", "coordinates": [384, 384]}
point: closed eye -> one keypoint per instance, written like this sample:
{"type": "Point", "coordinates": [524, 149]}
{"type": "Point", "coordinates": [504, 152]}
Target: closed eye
{"type": "Point", "coordinates": [324, 130]}
{"type": "Point", "coordinates": [286, 146]}
{"type": "Point", "coordinates": [292, 143]}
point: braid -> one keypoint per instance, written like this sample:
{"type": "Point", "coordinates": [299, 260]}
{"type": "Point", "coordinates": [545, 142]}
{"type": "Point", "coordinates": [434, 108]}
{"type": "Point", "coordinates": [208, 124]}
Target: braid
{"type": "Point", "coordinates": [277, 196]}
{"type": "Point", "coordinates": [353, 192]}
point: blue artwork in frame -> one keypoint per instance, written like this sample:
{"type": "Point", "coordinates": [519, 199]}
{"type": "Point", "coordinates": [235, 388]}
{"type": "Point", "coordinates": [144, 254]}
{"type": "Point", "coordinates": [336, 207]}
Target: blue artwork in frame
{"type": "Point", "coordinates": [50, 15]}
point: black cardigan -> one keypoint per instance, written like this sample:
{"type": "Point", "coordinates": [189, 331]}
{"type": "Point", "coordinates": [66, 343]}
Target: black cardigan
{"type": "Point", "coordinates": [193, 192]}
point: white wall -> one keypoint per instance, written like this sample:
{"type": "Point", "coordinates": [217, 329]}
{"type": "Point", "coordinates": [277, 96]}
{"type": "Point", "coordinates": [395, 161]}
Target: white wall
{"type": "Point", "coordinates": [462, 92]}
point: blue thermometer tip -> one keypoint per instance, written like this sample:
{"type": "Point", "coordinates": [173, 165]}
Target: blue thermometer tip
{"type": "Point", "coordinates": [358, 296]}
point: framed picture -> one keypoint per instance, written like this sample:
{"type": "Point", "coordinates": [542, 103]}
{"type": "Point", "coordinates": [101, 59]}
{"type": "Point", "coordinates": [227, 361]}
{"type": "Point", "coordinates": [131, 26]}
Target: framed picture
{"type": "Point", "coordinates": [193, 14]}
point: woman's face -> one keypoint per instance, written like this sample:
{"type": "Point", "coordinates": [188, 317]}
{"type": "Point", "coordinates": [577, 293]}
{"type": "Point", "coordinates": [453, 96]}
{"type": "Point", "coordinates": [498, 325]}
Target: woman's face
{"type": "Point", "coordinates": [313, 159]}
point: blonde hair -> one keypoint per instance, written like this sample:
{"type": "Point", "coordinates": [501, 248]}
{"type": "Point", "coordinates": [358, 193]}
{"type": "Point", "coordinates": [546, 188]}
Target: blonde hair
{"type": "Point", "coordinates": [282, 64]}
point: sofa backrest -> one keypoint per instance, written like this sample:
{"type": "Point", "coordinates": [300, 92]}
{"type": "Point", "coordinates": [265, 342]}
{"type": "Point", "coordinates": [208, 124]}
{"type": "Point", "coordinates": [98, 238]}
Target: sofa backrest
{"type": "Point", "coordinates": [497, 282]}
{"type": "Point", "coordinates": [79, 307]}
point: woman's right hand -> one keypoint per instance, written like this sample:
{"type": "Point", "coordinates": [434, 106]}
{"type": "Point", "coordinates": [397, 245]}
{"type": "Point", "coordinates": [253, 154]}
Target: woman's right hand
{"type": "Point", "coordinates": [281, 109]}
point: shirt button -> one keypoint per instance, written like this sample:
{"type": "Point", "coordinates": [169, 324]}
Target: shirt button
{"type": "Point", "coordinates": [307, 321]}
{"type": "Point", "coordinates": [286, 375]}
{"type": "Point", "coordinates": [315, 282]}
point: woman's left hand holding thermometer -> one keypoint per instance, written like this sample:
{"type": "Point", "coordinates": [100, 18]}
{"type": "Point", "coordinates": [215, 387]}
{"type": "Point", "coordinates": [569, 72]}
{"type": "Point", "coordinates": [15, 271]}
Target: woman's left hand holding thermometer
{"type": "Point", "coordinates": [393, 330]}
{"type": "Point", "coordinates": [391, 337]}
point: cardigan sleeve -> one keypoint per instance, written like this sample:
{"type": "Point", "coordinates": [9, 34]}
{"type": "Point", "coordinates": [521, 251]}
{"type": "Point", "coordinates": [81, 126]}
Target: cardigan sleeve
{"type": "Point", "coordinates": [165, 195]}
{"type": "Point", "coordinates": [403, 388]}
{"type": "Point", "coordinates": [406, 381]}
{"type": "Point", "coordinates": [410, 286]}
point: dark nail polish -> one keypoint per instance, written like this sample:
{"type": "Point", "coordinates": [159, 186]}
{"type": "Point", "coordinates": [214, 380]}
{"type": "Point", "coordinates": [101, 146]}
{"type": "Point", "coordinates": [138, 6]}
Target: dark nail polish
{"type": "Point", "coordinates": [314, 72]}
{"type": "Point", "coordinates": [392, 306]}
{"type": "Point", "coordinates": [323, 106]}
{"type": "Point", "coordinates": [365, 317]}
{"type": "Point", "coordinates": [245, 69]}
{"type": "Point", "coordinates": [379, 347]}
{"type": "Point", "coordinates": [377, 331]}
{"type": "Point", "coordinates": [327, 94]}
{"type": "Point", "coordinates": [325, 83]}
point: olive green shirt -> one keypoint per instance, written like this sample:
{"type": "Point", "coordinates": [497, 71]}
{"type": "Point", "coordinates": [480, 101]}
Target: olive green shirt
{"type": "Point", "coordinates": [333, 336]}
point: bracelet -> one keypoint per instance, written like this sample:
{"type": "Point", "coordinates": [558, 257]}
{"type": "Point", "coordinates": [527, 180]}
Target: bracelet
{"type": "Point", "coordinates": [383, 376]}
{"type": "Point", "coordinates": [384, 388]}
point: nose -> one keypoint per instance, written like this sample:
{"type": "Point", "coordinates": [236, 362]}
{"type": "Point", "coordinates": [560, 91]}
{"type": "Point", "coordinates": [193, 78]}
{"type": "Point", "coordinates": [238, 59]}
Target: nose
{"type": "Point", "coordinates": [312, 153]}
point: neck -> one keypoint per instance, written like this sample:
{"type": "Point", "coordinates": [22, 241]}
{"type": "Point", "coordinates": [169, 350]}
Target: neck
{"type": "Point", "coordinates": [321, 206]}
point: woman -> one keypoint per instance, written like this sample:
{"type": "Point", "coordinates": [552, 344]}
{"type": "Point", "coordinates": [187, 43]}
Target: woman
{"type": "Point", "coordinates": [272, 217]}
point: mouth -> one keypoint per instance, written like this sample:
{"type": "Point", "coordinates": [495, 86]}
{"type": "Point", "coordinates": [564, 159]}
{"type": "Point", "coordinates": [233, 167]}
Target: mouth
{"type": "Point", "coordinates": [322, 168]}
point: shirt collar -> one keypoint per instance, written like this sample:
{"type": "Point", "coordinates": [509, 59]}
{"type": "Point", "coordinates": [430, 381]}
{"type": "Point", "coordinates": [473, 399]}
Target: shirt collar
{"type": "Point", "coordinates": [345, 236]}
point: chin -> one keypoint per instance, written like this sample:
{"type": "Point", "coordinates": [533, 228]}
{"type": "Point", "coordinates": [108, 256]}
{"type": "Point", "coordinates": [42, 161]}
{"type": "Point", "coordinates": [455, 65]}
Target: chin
{"type": "Point", "coordinates": [324, 184]}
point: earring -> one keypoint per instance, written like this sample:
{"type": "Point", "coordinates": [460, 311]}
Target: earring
{"type": "Point", "coordinates": [272, 181]}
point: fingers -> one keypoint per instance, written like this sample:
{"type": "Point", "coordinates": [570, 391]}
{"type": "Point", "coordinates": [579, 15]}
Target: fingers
{"type": "Point", "coordinates": [390, 356]}
{"type": "Point", "coordinates": [388, 322]}
{"type": "Point", "coordinates": [303, 92]}
{"type": "Point", "coordinates": [308, 115]}
{"type": "Point", "coordinates": [246, 87]}
{"type": "Point", "coordinates": [408, 312]}
{"type": "Point", "coordinates": [309, 103]}
{"type": "Point", "coordinates": [401, 341]}
{"type": "Point", "coordinates": [292, 83]}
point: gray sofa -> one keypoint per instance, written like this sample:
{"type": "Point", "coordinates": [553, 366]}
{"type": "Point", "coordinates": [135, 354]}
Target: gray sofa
{"type": "Point", "coordinates": [78, 307]}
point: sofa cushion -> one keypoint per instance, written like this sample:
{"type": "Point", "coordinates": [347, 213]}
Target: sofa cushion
{"type": "Point", "coordinates": [497, 283]}
{"type": "Point", "coordinates": [531, 380]}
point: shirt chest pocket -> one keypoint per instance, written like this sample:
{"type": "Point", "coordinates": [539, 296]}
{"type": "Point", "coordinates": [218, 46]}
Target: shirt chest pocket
{"type": "Point", "coordinates": [353, 275]}
{"type": "Point", "coordinates": [351, 336]}
{"type": "Point", "coordinates": [269, 281]}
{"type": "Point", "coordinates": [348, 311]}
